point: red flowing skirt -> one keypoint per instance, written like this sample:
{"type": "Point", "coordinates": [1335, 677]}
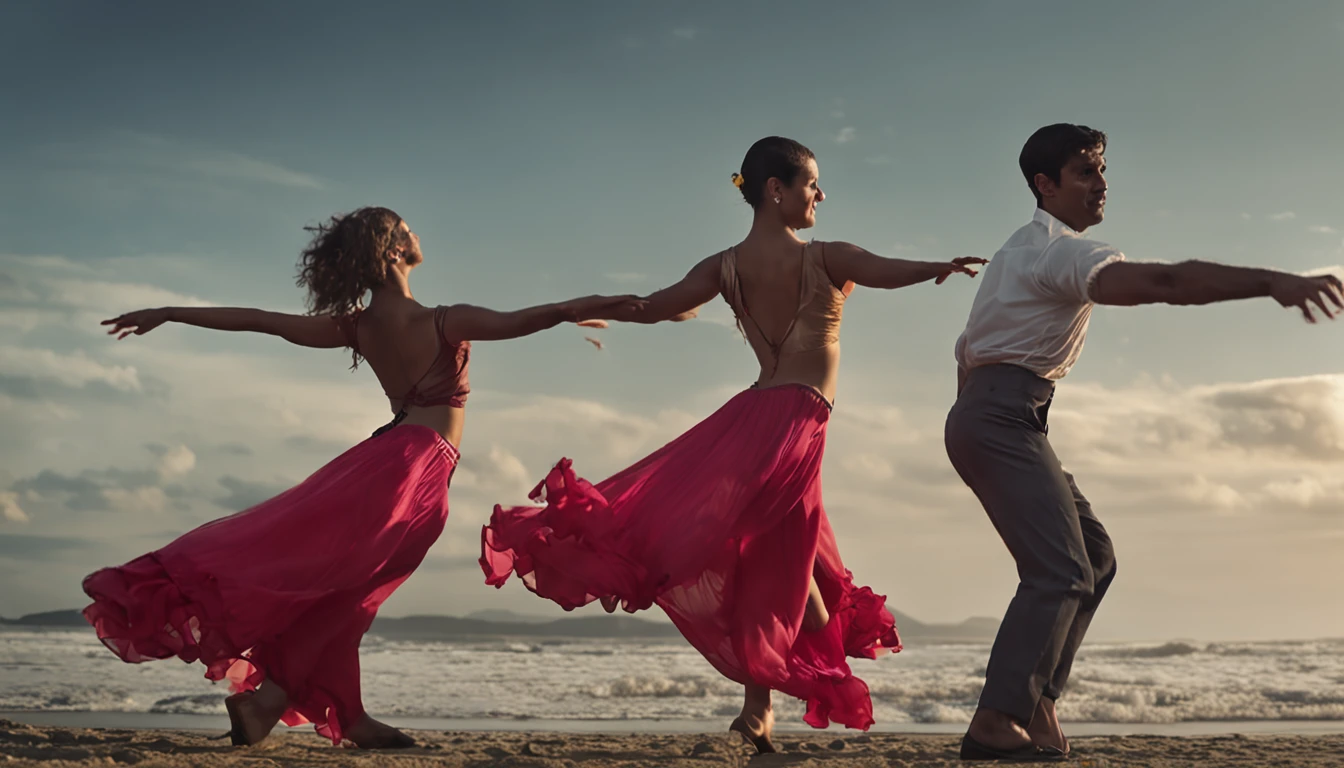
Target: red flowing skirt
{"type": "Point", "coordinates": [721, 528]}
{"type": "Point", "coordinates": [285, 591]}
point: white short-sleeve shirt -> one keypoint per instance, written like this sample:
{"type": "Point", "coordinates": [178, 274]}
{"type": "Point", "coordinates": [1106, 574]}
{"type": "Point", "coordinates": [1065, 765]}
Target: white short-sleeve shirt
{"type": "Point", "coordinates": [1033, 307]}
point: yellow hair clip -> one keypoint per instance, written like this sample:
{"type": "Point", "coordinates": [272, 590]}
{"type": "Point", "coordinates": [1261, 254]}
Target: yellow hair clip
{"type": "Point", "coordinates": [737, 180]}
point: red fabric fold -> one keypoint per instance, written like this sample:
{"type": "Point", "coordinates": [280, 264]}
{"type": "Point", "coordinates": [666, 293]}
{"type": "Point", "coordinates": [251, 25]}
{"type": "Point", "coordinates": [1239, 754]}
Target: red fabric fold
{"type": "Point", "coordinates": [720, 528]}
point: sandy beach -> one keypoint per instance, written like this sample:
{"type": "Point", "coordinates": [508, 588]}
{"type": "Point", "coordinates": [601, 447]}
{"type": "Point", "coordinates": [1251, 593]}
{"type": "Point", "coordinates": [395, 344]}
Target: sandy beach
{"type": "Point", "coordinates": [55, 746]}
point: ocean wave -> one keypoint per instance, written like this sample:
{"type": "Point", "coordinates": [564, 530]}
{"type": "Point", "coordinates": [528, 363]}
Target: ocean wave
{"type": "Point", "coordinates": [631, 687]}
{"type": "Point", "coordinates": [1179, 681]}
{"type": "Point", "coordinates": [69, 698]}
{"type": "Point", "coordinates": [192, 704]}
{"type": "Point", "coordinates": [1164, 651]}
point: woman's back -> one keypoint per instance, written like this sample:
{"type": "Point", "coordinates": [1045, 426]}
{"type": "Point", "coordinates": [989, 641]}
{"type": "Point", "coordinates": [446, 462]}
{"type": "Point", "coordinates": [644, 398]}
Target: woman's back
{"type": "Point", "coordinates": [790, 311]}
{"type": "Point", "coordinates": [420, 369]}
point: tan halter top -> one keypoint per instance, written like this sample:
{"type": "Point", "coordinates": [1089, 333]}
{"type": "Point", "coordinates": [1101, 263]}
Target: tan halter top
{"type": "Point", "coordinates": [816, 322]}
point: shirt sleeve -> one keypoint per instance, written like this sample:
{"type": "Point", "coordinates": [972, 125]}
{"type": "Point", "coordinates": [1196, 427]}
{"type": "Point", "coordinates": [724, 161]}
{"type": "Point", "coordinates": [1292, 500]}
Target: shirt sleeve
{"type": "Point", "coordinates": [1069, 266]}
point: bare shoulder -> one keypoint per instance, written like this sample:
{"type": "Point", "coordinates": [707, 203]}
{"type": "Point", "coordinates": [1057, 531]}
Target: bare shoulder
{"type": "Point", "coordinates": [713, 261]}
{"type": "Point", "coordinates": [708, 268]}
{"type": "Point", "coordinates": [840, 249]}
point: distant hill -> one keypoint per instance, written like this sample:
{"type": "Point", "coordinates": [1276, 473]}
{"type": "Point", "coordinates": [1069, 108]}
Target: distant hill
{"type": "Point", "coordinates": [977, 629]}
{"type": "Point", "coordinates": [47, 619]}
{"type": "Point", "coordinates": [454, 628]}
{"type": "Point", "coordinates": [508, 617]}
{"type": "Point", "coordinates": [498, 623]}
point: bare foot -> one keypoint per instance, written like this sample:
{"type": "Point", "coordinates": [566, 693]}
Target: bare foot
{"type": "Point", "coordinates": [252, 718]}
{"type": "Point", "coordinates": [997, 730]}
{"type": "Point", "coordinates": [371, 734]}
{"type": "Point", "coordinates": [1044, 729]}
{"type": "Point", "coordinates": [756, 729]}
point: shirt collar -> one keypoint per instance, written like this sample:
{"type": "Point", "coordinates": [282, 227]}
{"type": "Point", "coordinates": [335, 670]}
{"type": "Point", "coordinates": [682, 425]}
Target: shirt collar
{"type": "Point", "coordinates": [1054, 226]}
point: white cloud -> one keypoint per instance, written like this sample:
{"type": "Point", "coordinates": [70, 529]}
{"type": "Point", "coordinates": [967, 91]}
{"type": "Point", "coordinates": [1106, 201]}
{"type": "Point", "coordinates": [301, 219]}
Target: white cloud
{"type": "Point", "coordinates": [145, 499]}
{"type": "Point", "coordinates": [207, 161]}
{"type": "Point", "coordinates": [1203, 492]}
{"type": "Point", "coordinates": [178, 460]}
{"type": "Point", "coordinates": [42, 290]}
{"type": "Point", "coordinates": [870, 466]}
{"type": "Point", "coordinates": [845, 136]}
{"type": "Point", "coordinates": [685, 33]}
{"type": "Point", "coordinates": [1306, 492]}
{"type": "Point", "coordinates": [1244, 426]}
{"type": "Point", "coordinates": [72, 370]}
{"type": "Point", "coordinates": [1245, 216]}
{"type": "Point", "coordinates": [10, 509]}
{"type": "Point", "coordinates": [109, 297]}
{"type": "Point", "coordinates": [1322, 230]}
{"type": "Point", "coordinates": [122, 154]}
{"type": "Point", "coordinates": [1284, 216]}
{"type": "Point", "coordinates": [837, 114]}
{"type": "Point", "coordinates": [498, 469]}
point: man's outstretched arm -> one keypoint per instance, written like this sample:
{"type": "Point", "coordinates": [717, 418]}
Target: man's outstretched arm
{"type": "Point", "coordinates": [1200, 282]}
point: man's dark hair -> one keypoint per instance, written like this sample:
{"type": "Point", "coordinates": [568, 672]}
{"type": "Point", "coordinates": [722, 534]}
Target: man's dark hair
{"type": "Point", "coordinates": [1050, 149]}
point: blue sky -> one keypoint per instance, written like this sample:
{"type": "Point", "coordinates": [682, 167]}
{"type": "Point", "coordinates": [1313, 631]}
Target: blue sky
{"type": "Point", "coordinates": [160, 153]}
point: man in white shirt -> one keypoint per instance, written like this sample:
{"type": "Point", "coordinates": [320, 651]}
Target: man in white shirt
{"type": "Point", "coordinates": [1025, 332]}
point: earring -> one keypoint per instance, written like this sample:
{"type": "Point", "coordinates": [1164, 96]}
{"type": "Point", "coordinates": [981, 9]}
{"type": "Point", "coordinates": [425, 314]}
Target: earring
{"type": "Point", "coordinates": [776, 201]}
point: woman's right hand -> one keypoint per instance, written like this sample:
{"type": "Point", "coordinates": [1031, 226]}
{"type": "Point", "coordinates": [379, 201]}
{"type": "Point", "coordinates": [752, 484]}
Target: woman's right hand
{"type": "Point", "coordinates": [591, 308]}
{"type": "Point", "coordinates": [139, 322]}
{"type": "Point", "coordinates": [959, 265]}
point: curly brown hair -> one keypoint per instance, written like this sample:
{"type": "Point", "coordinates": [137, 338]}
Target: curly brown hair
{"type": "Point", "coordinates": [346, 258]}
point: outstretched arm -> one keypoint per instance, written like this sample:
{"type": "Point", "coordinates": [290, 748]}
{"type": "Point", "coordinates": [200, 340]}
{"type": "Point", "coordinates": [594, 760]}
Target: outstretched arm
{"type": "Point", "coordinates": [321, 331]}
{"type": "Point", "coordinates": [679, 301]}
{"type": "Point", "coordinates": [464, 322]}
{"type": "Point", "coordinates": [1202, 282]}
{"type": "Point", "coordinates": [846, 263]}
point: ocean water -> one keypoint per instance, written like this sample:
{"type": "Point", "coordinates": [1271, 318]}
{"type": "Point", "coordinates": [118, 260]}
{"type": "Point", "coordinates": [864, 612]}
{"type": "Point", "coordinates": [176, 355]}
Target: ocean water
{"type": "Point", "coordinates": [69, 671]}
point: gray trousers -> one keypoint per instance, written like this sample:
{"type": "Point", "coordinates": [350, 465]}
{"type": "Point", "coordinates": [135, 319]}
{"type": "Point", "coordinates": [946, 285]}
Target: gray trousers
{"type": "Point", "coordinates": [996, 438]}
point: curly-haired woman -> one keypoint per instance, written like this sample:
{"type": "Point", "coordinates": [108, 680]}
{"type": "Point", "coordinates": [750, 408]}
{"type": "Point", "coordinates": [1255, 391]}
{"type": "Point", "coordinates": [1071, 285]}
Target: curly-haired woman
{"type": "Point", "coordinates": [277, 597]}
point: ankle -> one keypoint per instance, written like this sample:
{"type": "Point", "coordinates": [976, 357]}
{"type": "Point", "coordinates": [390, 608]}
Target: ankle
{"type": "Point", "coordinates": [758, 718]}
{"type": "Point", "coordinates": [993, 721]}
{"type": "Point", "coordinates": [270, 699]}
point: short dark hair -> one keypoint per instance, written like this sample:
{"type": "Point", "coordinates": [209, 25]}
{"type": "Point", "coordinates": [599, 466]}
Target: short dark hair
{"type": "Point", "coordinates": [1050, 148]}
{"type": "Point", "coordinates": [773, 157]}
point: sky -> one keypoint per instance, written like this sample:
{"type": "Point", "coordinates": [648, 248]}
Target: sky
{"type": "Point", "coordinates": [159, 154]}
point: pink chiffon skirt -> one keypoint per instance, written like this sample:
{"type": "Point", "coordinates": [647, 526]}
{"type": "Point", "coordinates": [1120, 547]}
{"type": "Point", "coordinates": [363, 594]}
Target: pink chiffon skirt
{"type": "Point", "coordinates": [285, 591]}
{"type": "Point", "coordinates": [721, 528]}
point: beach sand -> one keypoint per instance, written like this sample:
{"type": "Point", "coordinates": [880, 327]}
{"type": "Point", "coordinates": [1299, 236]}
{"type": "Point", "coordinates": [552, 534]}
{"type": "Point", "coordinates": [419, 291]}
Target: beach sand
{"type": "Point", "coordinates": [55, 746]}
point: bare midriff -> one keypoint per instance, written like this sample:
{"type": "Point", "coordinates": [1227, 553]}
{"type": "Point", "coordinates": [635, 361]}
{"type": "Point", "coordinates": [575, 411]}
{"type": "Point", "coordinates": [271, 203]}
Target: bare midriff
{"type": "Point", "coordinates": [447, 420]}
{"type": "Point", "coordinates": [815, 368]}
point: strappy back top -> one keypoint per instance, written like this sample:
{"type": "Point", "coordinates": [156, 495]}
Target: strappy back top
{"type": "Point", "coordinates": [816, 321]}
{"type": "Point", "coordinates": [444, 383]}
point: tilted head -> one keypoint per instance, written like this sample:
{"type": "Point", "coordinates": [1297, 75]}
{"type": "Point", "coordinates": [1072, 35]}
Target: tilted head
{"type": "Point", "coordinates": [352, 254]}
{"type": "Point", "coordinates": [1064, 165]}
{"type": "Point", "coordinates": [780, 175]}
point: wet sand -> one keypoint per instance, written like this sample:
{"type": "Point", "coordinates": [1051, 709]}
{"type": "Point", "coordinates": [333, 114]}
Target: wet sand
{"type": "Point", "coordinates": [59, 746]}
